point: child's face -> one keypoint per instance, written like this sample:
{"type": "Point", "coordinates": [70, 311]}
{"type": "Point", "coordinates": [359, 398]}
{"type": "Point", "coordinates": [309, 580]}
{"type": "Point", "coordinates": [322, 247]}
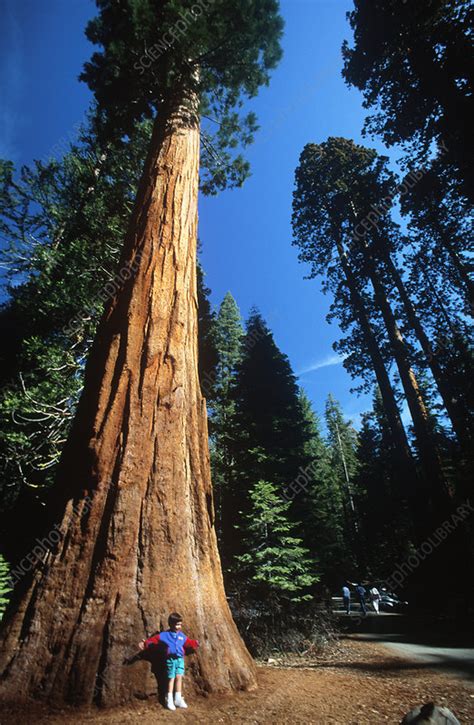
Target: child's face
{"type": "Point", "coordinates": [177, 627]}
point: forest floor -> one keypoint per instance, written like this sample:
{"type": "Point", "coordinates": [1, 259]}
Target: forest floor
{"type": "Point", "coordinates": [354, 683]}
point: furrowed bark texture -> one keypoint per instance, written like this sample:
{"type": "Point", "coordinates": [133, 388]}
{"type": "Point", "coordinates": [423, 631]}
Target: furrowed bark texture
{"type": "Point", "coordinates": [144, 543]}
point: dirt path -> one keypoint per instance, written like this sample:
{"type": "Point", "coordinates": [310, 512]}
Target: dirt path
{"type": "Point", "coordinates": [360, 683]}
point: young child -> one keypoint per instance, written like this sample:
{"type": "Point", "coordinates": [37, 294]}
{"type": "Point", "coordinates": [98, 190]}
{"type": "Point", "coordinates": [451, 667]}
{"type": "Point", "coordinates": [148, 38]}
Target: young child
{"type": "Point", "coordinates": [177, 645]}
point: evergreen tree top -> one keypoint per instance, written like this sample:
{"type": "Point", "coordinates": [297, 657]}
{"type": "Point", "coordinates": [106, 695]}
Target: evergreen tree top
{"type": "Point", "coordinates": [337, 185]}
{"type": "Point", "coordinates": [263, 358]}
{"type": "Point", "coordinates": [229, 329]}
{"type": "Point", "coordinates": [228, 334]}
{"type": "Point", "coordinates": [337, 425]}
{"type": "Point", "coordinates": [343, 440]}
{"type": "Point", "coordinates": [229, 312]}
{"type": "Point", "coordinates": [153, 49]}
{"type": "Point", "coordinates": [267, 400]}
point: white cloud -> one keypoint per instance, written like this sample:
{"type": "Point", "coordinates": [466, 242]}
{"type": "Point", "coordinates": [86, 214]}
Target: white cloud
{"type": "Point", "coordinates": [326, 362]}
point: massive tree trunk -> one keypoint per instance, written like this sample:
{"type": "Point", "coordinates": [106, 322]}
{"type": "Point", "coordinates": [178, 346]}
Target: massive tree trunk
{"type": "Point", "coordinates": [143, 543]}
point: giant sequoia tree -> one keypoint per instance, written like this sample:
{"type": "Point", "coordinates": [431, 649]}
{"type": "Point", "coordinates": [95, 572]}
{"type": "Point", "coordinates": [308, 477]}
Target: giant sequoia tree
{"type": "Point", "coordinates": [134, 506]}
{"type": "Point", "coordinates": [338, 186]}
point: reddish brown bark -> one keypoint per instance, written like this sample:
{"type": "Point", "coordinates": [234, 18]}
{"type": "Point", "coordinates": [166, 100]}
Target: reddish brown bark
{"type": "Point", "coordinates": [429, 455]}
{"type": "Point", "coordinates": [139, 449]}
{"type": "Point", "coordinates": [460, 422]}
{"type": "Point", "coordinates": [403, 459]}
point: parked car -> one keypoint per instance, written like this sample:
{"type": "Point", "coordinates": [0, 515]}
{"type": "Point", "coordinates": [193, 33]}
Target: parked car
{"type": "Point", "coordinates": [390, 602]}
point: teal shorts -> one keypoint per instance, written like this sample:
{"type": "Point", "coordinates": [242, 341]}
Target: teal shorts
{"type": "Point", "coordinates": [174, 667]}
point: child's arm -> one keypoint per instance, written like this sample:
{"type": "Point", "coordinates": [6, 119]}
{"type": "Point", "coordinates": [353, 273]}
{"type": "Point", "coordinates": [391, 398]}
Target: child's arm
{"type": "Point", "coordinates": [190, 645]}
{"type": "Point", "coordinates": [145, 643]}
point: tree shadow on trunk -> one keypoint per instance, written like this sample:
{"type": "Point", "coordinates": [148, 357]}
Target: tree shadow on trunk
{"type": "Point", "coordinates": [156, 656]}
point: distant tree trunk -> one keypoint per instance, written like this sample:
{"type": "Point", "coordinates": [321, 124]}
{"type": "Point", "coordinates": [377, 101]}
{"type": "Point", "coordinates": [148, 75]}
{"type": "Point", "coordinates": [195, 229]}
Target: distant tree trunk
{"type": "Point", "coordinates": [458, 420]}
{"type": "Point", "coordinates": [465, 283]}
{"type": "Point", "coordinates": [429, 456]}
{"type": "Point", "coordinates": [403, 458]}
{"type": "Point", "coordinates": [441, 305]}
{"type": "Point", "coordinates": [146, 544]}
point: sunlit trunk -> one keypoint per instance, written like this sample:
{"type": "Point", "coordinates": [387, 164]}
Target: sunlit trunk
{"type": "Point", "coordinates": [144, 543]}
{"type": "Point", "coordinates": [404, 464]}
{"type": "Point", "coordinates": [459, 422]}
{"type": "Point", "coordinates": [429, 456]}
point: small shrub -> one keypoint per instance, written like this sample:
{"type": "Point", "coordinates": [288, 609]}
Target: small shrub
{"type": "Point", "coordinates": [270, 627]}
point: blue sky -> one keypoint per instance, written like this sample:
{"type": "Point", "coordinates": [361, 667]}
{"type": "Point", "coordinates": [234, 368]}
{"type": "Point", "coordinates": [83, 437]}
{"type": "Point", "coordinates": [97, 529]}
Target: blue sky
{"type": "Point", "coordinates": [245, 233]}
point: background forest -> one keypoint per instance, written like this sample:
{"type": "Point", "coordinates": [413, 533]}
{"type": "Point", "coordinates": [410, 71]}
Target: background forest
{"type": "Point", "coordinates": [303, 502]}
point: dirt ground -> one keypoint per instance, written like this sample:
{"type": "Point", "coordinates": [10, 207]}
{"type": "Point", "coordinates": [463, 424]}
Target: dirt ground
{"type": "Point", "coordinates": [356, 683]}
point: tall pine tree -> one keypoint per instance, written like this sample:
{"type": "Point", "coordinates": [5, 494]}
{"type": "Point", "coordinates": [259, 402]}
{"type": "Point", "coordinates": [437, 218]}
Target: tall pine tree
{"type": "Point", "coordinates": [271, 430]}
{"type": "Point", "coordinates": [275, 565]}
{"type": "Point", "coordinates": [321, 508]}
{"type": "Point", "coordinates": [342, 439]}
{"type": "Point", "coordinates": [228, 334]}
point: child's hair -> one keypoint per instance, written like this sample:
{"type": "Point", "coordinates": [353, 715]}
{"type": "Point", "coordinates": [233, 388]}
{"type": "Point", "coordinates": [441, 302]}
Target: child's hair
{"type": "Point", "coordinates": [174, 618]}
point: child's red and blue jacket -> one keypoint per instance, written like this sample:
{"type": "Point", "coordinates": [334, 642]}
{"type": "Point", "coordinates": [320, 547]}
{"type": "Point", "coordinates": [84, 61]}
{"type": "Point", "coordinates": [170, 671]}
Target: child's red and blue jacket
{"type": "Point", "coordinates": [177, 643]}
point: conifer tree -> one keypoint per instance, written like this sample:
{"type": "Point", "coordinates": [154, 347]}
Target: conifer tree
{"type": "Point", "coordinates": [342, 439]}
{"type": "Point", "coordinates": [135, 480]}
{"type": "Point", "coordinates": [338, 185]}
{"type": "Point", "coordinates": [320, 506]}
{"type": "Point", "coordinates": [275, 564]}
{"type": "Point", "coordinates": [228, 334]}
{"type": "Point", "coordinates": [267, 432]}
{"type": "Point", "coordinates": [270, 428]}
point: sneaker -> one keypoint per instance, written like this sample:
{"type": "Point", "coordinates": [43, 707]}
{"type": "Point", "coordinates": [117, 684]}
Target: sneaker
{"type": "Point", "coordinates": [179, 701]}
{"type": "Point", "coordinates": [169, 703]}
